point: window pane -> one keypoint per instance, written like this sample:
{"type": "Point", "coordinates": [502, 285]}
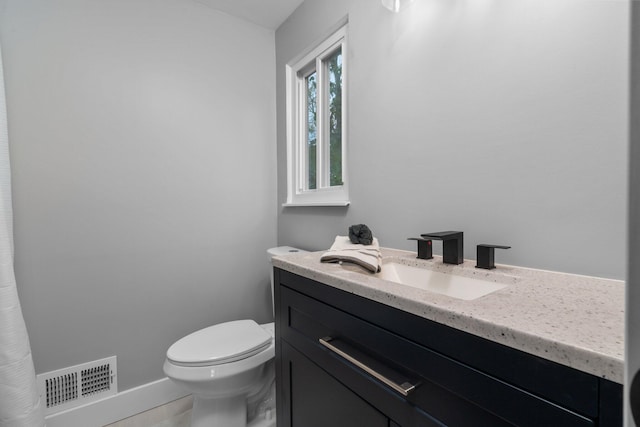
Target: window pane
{"type": "Point", "coordinates": [312, 122]}
{"type": "Point", "coordinates": [334, 63]}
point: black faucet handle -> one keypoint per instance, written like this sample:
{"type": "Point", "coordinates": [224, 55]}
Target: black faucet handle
{"type": "Point", "coordinates": [486, 255]}
{"type": "Point", "coordinates": [425, 249]}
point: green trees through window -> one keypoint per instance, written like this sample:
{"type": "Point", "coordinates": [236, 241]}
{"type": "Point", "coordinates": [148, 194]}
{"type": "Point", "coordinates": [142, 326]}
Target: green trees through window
{"type": "Point", "coordinates": [334, 64]}
{"type": "Point", "coordinates": [312, 129]}
{"type": "Point", "coordinates": [333, 125]}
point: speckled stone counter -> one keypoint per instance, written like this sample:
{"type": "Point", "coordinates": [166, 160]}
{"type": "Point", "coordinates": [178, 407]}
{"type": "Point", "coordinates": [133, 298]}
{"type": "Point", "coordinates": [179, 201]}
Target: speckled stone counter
{"type": "Point", "coordinates": [574, 320]}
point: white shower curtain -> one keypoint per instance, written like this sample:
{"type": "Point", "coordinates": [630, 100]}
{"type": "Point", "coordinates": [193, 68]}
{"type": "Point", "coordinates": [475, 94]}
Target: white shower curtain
{"type": "Point", "coordinates": [19, 401]}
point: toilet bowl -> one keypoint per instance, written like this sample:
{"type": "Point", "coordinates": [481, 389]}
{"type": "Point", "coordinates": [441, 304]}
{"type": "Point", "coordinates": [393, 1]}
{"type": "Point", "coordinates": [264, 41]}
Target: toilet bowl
{"type": "Point", "coordinates": [224, 366]}
{"type": "Point", "coordinates": [229, 369]}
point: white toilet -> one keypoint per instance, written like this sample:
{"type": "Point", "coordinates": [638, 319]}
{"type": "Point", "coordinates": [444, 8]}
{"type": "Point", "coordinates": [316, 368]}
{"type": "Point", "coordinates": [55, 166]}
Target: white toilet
{"type": "Point", "coordinates": [229, 369]}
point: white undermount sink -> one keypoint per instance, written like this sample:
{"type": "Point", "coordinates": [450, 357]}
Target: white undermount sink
{"type": "Point", "coordinates": [461, 287]}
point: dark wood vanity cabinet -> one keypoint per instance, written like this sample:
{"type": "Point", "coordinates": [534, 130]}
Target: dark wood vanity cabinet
{"type": "Point", "coordinates": [345, 361]}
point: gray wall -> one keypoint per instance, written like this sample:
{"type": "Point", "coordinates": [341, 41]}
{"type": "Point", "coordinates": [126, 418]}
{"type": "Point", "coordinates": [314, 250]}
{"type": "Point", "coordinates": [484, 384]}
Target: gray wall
{"type": "Point", "coordinates": [505, 119]}
{"type": "Point", "coordinates": [143, 151]}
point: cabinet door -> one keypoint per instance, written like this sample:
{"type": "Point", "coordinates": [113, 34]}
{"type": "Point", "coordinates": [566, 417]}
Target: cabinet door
{"type": "Point", "coordinates": [319, 400]}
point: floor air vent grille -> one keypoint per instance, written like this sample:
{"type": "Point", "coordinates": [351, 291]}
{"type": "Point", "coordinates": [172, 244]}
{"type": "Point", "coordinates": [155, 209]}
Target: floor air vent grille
{"type": "Point", "coordinates": [96, 379]}
{"type": "Point", "coordinates": [78, 385]}
{"type": "Point", "coordinates": [61, 389]}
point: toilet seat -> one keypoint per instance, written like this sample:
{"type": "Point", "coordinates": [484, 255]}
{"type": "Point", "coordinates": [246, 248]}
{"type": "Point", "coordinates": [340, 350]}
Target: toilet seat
{"type": "Point", "coordinates": [219, 344]}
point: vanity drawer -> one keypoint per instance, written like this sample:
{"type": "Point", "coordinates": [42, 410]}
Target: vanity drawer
{"type": "Point", "coordinates": [447, 391]}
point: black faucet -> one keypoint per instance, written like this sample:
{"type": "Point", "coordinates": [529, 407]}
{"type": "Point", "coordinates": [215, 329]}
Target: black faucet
{"type": "Point", "coordinates": [452, 245]}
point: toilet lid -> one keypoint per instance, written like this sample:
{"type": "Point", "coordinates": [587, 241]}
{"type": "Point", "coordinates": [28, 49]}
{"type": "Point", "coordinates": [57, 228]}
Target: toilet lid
{"type": "Point", "coordinates": [221, 343]}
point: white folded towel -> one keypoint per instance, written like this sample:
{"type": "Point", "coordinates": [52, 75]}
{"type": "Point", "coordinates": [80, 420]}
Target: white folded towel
{"type": "Point", "coordinates": [367, 256]}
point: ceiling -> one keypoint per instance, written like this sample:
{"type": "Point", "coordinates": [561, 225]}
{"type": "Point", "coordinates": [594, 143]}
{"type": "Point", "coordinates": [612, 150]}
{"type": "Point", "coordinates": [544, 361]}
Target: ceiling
{"type": "Point", "coordinates": [267, 13]}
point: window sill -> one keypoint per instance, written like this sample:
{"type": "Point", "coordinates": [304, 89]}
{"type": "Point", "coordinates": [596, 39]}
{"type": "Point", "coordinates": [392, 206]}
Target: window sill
{"type": "Point", "coordinates": [318, 204]}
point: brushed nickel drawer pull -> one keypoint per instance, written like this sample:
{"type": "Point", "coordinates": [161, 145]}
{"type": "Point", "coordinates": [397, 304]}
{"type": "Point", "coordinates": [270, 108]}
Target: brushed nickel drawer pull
{"type": "Point", "coordinates": [404, 388]}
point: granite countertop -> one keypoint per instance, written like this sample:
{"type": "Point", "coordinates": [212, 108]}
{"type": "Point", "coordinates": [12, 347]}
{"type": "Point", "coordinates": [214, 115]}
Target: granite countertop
{"type": "Point", "coordinates": [574, 320]}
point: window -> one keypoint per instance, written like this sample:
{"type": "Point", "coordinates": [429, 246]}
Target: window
{"type": "Point", "coordinates": [316, 131]}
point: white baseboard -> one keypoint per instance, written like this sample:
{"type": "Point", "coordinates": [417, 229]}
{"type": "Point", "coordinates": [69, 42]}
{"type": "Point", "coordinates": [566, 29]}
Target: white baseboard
{"type": "Point", "coordinates": [122, 405]}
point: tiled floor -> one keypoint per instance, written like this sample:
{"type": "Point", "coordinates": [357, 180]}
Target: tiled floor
{"type": "Point", "coordinates": [174, 414]}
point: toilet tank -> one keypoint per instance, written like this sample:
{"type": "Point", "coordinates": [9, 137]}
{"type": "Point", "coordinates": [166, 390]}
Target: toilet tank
{"type": "Point", "coordinates": [277, 251]}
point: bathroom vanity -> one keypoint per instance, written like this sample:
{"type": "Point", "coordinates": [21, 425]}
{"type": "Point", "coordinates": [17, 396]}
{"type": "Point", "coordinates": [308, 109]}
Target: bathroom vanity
{"type": "Point", "coordinates": [353, 349]}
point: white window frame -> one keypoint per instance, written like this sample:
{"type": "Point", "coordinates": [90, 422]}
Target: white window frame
{"type": "Point", "coordinates": [296, 110]}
